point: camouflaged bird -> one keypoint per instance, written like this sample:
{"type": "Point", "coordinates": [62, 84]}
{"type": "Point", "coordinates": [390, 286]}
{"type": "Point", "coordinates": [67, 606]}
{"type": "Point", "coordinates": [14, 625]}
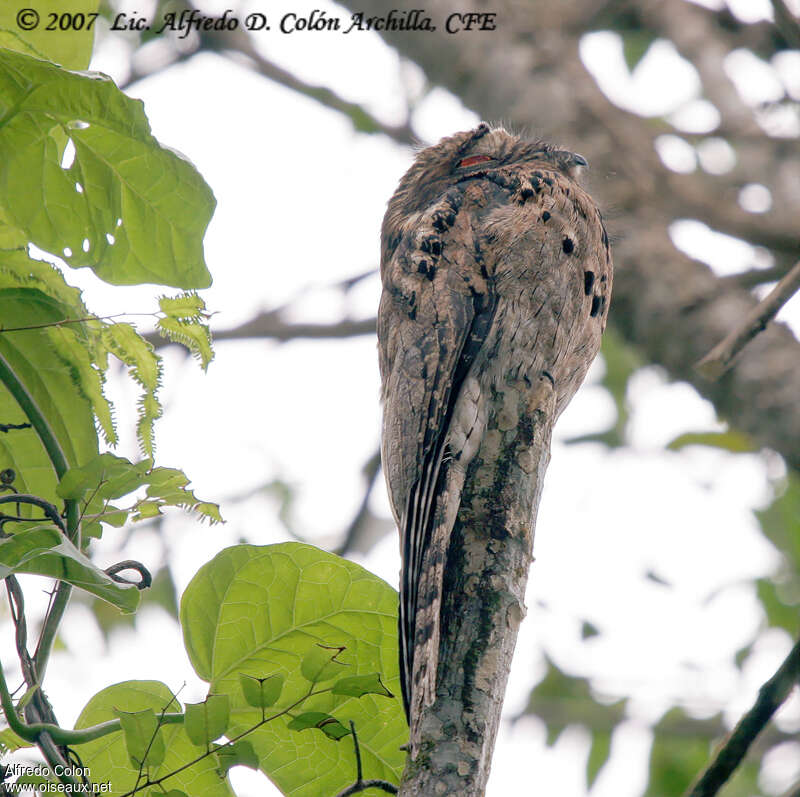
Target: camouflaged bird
{"type": "Point", "coordinates": [496, 267]}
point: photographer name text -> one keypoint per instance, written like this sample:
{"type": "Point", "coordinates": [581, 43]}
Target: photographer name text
{"type": "Point", "coordinates": [316, 21]}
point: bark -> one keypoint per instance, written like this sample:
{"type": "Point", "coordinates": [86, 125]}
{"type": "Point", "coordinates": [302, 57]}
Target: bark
{"type": "Point", "coordinates": [484, 599]}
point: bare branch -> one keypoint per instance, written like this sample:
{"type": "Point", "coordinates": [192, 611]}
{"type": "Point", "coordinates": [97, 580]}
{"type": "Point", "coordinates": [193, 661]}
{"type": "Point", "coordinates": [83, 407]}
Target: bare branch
{"type": "Point", "coordinates": [270, 325]}
{"type": "Point", "coordinates": [770, 697]}
{"type": "Point", "coordinates": [720, 358]}
{"type": "Point", "coordinates": [370, 472]}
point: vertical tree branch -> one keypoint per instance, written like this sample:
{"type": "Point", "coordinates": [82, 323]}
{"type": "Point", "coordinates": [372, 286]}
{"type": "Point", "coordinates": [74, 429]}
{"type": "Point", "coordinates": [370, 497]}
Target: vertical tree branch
{"type": "Point", "coordinates": [486, 574]}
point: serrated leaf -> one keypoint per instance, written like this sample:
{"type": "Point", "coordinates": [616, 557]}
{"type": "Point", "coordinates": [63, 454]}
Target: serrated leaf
{"type": "Point", "coordinates": [141, 210]}
{"type": "Point", "coordinates": [321, 721]}
{"type": "Point", "coordinates": [261, 692]}
{"type": "Point", "coordinates": [208, 720]}
{"type": "Point", "coordinates": [85, 376]}
{"type": "Point", "coordinates": [108, 756]}
{"type": "Point", "coordinates": [258, 609]}
{"type": "Point", "coordinates": [187, 306]}
{"type": "Point", "coordinates": [18, 270]}
{"type": "Point", "coordinates": [130, 347]}
{"type": "Point", "coordinates": [321, 663]}
{"type": "Point", "coordinates": [360, 685]}
{"type": "Point", "coordinates": [194, 336]}
{"type": "Point", "coordinates": [239, 753]}
{"type": "Point", "coordinates": [143, 741]}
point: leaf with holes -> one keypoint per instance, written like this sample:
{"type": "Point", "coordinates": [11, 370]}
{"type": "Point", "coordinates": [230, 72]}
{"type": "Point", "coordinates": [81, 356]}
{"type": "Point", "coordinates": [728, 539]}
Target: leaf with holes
{"type": "Point", "coordinates": [128, 208]}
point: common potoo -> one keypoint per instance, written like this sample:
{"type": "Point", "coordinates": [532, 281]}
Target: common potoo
{"type": "Point", "coordinates": [496, 268]}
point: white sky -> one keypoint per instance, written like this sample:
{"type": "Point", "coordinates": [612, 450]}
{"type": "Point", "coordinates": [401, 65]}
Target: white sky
{"type": "Point", "coordinates": [300, 200]}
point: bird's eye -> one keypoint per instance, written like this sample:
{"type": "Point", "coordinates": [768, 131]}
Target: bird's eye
{"type": "Point", "coordinates": [473, 159]}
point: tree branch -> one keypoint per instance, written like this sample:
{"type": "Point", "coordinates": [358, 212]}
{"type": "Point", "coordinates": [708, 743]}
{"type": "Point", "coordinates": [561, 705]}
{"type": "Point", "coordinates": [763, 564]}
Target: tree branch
{"type": "Point", "coordinates": [770, 697]}
{"type": "Point", "coordinates": [488, 558]}
{"type": "Point", "coordinates": [719, 359]}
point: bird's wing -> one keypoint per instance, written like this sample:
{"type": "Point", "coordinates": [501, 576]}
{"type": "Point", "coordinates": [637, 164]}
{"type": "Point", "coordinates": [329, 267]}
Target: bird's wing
{"type": "Point", "coordinates": [435, 313]}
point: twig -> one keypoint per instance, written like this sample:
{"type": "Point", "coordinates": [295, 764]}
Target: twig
{"type": "Point", "coordinates": [361, 784]}
{"type": "Point", "coordinates": [770, 697]}
{"type": "Point", "coordinates": [719, 359]}
{"type": "Point", "coordinates": [50, 511]}
{"type": "Point", "coordinates": [370, 472]}
{"type": "Point", "coordinates": [270, 325]}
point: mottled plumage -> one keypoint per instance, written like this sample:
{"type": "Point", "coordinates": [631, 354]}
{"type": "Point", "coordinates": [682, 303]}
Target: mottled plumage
{"type": "Point", "coordinates": [496, 269]}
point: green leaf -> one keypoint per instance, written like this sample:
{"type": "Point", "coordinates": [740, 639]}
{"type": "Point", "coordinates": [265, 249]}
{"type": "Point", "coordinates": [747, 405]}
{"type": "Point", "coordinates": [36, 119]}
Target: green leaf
{"type": "Point", "coordinates": [360, 685]}
{"type": "Point", "coordinates": [27, 356]}
{"type": "Point", "coordinates": [731, 440]}
{"type": "Point", "coordinates": [187, 306]}
{"type": "Point", "coordinates": [9, 742]}
{"type": "Point", "coordinates": [675, 761]}
{"type": "Point", "coordinates": [107, 758]}
{"type": "Point", "coordinates": [72, 48]}
{"type": "Point", "coordinates": [17, 270]}
{"type": "Point", "coordinates": [44, 551]}
{"type": "Point", "coordinates": [162, 592]}
{"type": "Point", "coordinates": [239, 753]}
{"type": "Point", "coordinates": [194, 336]}
{"type": "Point", "coordinates": [319, 720]}
{"type": "Point", "coordinates": [19, 549]}
{"type": "Point", "coordinates": [560, 700]}
{"type": "Point", "coordinates": [588, 630]}
{"type": "Point", "coordinates": [143, 740]}
{"type": "Point", "coordinates": [145, 368]}
{"type": "Point", "coordinates": [208, 720]}
{"type": "Point", "coordinates": [599, 753]}
{"type": "Point", "coordinates": [261, 692]}
{"type": "Point", "coordinates": [634, 46]}
{"type": "Point", "coordinates": [108, 475]}
{"type": "Point", "coordinates": [321, 663]}
{"type": "Point", "coordinates": [126, 207]}
{"type": "Point", "coordinates": [781, 602]}
{"type": "Point", "coordinates": [259, 609]}
{"type": "Point", "coordinates": [780, 521]}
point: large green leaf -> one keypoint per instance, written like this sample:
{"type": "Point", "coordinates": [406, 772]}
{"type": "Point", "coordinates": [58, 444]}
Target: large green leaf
{"type": "Point", "coordinates": [51, 385]}
{"type": "Point", "coordinates": [259, 610]}
{"type": "Point", "coordinates": [70, 47]}
{"type": "Point", "coordinates": [127, 207]}
{"type": "Point", "coordinates": [107, 758]}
